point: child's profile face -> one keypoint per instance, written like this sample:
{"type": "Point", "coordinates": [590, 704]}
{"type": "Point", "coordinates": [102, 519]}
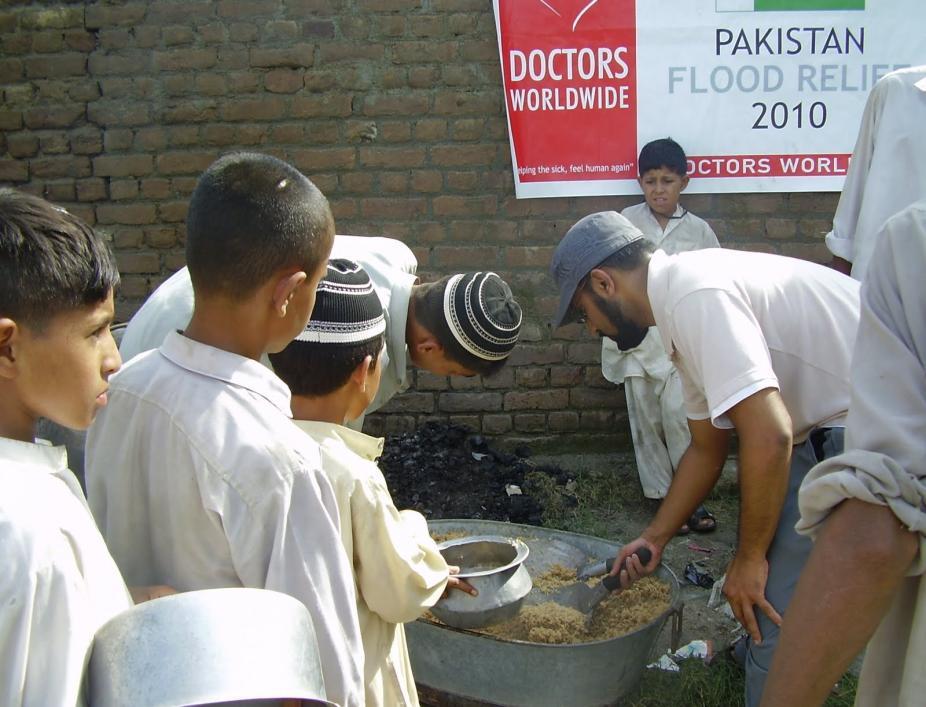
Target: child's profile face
{"type": "Point", "coordinates": [661, 189]}
{"type": "Point", "coordinates": [63, 369]}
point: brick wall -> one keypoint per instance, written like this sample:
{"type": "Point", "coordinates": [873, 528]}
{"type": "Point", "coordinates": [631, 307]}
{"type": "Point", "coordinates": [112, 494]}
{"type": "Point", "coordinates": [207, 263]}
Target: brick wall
{"type": "Point", "coordinates": [393, 107]}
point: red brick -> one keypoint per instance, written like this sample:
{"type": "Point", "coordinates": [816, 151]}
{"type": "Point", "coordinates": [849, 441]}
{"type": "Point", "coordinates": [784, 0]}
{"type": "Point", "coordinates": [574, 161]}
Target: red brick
{"type": "Point", "coordinates": [479, 51]}
{"type": "Point", "coordinates": [530, 422]}
{"type": "Point", "coordinates": [103, 15]}
{"type": "Point", "coordinates": [108, 113]}
{"type": "Point", "coordinates": [398, 104]}
{"type": "Point", "coordinates": [531, 377]}
{"type": "Point", "coordinates": [533, 354]}
{"type": "Point", "coordinates": [295, 57]}
{"type": "Point", "coordinates": [53, 144]}
{"type": "Point", "coordinates": [594, 398]}
{"type": "Point", "coordinates": [183, 59]}
{"type": "Point", "coordinates": [10, 120]}
{"type": "Point", "coordinates": [10, 70]}
{"type": "Point", "coordinates": [161, 237]}
{"type": "Point", "coordinates": [284, 81]}
{"type": "Point", "coordinates": [464, 256]}
{"type": "Point", "coordinates": [479, 103]}
{"type": "Point", "coordinates": [326, 105]}
{"type": "Point", "coordinates": [529, 256]}
{"type": "Point", "coordinates": [497, 424]}
{"type": "Point", "coordinates": [52, 18]}
{"type": "Point", "coordinates": [53, 116]}
{"type": "Point", "coordinates": [469, 402]}
{"type": "Point", "coordinates": [397, 183]}
{"type": "Point", "coordinates": [464, 205]}
{"type": "Point", "coordinates": [60, 191]}
{"type": "Point", "coordinates": [176, 35]}
{"type": "Point", "coordinates": [122, 165]}
{"type": "Point", "coordinates": [155, 188]}
{"type": "Point", "coordinates": [354, 182]}
{"type": "Point", "coordinates": [130, 214]}
{"type": "Point", "coordinates": [411, 402]}
{"type": "Point", "coordinates": [247, 8]}
{"type": "Point", "coordinates": [537, 399]}
{"type": "Point", "coordinates": [332, 52]}
{"type": "Point", "coordinates": [170, 11]}
{"type": "Point", "coordinates": [150, 139]}
{"type": "Point", "coordinates": [212, 33]}
{"type": "Point", "coordinates": [430, 129]}
{"type": "Point", "coordinates": [242, 32]}
{"type": "Point", "coordinates": [393, 208]}
{"type": "Point", "coordinates": [314, 160]}
{"type": "Point", "coordinates": [123, 189]}
{"type": "Point", "coordinates": [565, 375]}
{"type": "Point", "coordinates": [185, 162]}
{"type": "Point", "coordinates": [563, 420]}
{"type": "Point", "coordinates": [91, 189]}
{"type": "Point", "coordinates": [47, 42]}
{"type": "Point", "coordinates": [427, 181]}
{"type": "Point", "coordinates": [426, 25]}
{"type": "Point", "coordinates": [266, 108]}
{"type": "Point", "coordinates": [138, 262]}
{"type": "Point", "coordinates": [419, 52]}
{"type": "Point", "coordinates": [55, 66]}
{"type": "Point", "coordinates": [172, 211]}
{"type": "Point", "coordinates": [315, 29]}
{"type": "Point", "coordinates": [391, 157]}
{"type": "Point", "coordinates": [67, 166]}
{"type": "Point", "coordinates": [191, 111]}
{"type": "Point", "coordinates": [86, 141]}
{"type": "Point", "coordinates": [22, 144]}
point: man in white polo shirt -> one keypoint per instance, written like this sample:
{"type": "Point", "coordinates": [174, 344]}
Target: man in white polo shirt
{"type": "Point", "coordinates": [762, 344]}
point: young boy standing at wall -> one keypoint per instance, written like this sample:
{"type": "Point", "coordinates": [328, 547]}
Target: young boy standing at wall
{"type": "Point", "coordinates": [196, 475]}
{"type": "Point", "coordinates": [59, 583]}
{"type": "Point", "coordinates": [333, 369]}
{"type": "Point", "coordinates": [655, 407]}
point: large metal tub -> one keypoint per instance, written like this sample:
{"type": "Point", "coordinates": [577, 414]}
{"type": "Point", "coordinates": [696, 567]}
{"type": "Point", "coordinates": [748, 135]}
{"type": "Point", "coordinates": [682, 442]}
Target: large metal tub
{"type": "Point", "coordinates": [460, 668]}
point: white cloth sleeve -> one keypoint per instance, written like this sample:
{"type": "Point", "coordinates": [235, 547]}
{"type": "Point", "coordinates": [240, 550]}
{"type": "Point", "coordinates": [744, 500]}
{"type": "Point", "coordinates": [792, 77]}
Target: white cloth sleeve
{"type": "Point", "coordinates": [886, 425]}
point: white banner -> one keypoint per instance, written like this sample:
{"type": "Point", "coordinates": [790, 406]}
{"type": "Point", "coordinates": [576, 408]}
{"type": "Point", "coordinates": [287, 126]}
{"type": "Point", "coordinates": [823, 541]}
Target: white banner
{"type": "Point", "coordinates": [763, 95]}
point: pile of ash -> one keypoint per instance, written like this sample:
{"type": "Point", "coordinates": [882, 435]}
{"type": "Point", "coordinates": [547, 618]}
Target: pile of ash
{"type": "Point", "coordinates": [446, 471]}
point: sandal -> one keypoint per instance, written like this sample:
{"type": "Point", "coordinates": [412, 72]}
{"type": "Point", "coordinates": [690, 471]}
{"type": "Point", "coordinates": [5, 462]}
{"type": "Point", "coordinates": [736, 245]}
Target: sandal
{"type": "Point", "coordinates": [702, 521]}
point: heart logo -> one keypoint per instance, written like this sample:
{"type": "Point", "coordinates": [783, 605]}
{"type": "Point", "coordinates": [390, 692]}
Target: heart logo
{"type": "Point", "coordinates": [585, 8]}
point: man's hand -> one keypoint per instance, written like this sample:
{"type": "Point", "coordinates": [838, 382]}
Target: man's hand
{"type": "Point", "coordinates": [154, 591]}
{"type": "Point", "coordinates": [628, 564]}
{"type": "Point", "coordinates": [744, 588]}
{"type": "Point", "coordinates": [457, 583]}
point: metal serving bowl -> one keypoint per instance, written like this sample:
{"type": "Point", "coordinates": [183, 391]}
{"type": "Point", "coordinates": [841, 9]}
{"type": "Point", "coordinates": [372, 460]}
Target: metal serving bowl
{"type": "Point", "coordinates": [209, 647]}
{"type": "Point", "coordinates": [494, 565]}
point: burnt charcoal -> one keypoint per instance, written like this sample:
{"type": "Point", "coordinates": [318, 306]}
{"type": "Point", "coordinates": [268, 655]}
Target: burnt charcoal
{"type": "Point", "coordinates": [522, 451]}
{"type": "Point", "coordinates": [433, 470]}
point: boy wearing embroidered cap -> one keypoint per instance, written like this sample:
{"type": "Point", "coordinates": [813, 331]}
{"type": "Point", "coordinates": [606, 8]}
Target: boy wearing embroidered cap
{"type": "Point", "coordinates": [333, 369]}
{"type": "Point", "coordinates": [474, 336]}
{"type": "Point", "coordinates": [762, 344]}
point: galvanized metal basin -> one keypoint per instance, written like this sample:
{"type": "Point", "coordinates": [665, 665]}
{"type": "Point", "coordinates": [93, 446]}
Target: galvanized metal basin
{"type": "Point", "coordinates": [460, 668]}
{"type": "Point", "coordinates": [495, 567]}
{"type": "Point", "coordinates": [210, 647]}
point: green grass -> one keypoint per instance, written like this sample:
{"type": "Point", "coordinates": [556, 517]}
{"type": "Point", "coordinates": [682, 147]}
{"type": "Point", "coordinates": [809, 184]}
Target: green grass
{"type": "Point", "coordinates": [719, 684]}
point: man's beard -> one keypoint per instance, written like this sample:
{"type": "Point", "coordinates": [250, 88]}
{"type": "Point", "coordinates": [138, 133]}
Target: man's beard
{"type": "Point", "coordinates": [629, 335]}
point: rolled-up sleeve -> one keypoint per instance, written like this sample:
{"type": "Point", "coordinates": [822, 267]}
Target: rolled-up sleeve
{"type": "Point", "coordinates": [884, 462]}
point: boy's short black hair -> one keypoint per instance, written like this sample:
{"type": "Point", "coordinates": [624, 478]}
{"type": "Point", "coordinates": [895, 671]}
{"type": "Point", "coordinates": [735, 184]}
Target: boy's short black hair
{"type": "Point", "coordinates": [314, 369]}
{"type": "Point", "coordinates": [431, 313]}
{"type": "Point", "coordinates": [663, 153]}
{"type": "Point", "coordinates": [251, 215]}
{"type": "Point", "coordinates": [50, 261]}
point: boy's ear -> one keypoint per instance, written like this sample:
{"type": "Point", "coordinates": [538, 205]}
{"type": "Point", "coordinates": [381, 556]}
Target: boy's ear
{"type": "Point", "coordinates": [285, 289]}
{"type": "Point", "coordinates": [8, 334]}
{"type": "Point", "coordinates": [685, 181]}
{"type": "Point", "coordinates": [362, 372]}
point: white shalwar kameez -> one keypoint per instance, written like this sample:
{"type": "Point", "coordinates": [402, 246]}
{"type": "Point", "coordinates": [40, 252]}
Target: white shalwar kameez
{"type": "Point", "coordinates": [884, 462]}
{"type": "Point", "coordinates": [888, 168]}
{"type": "Point", "coordinates": [655, 407]}
{"type": "Point", "coordinates": [199, 479]}
{"type": "Point", "coordinates": [398, 570]}
{"type": "Point", "coordinates": [58, 582]}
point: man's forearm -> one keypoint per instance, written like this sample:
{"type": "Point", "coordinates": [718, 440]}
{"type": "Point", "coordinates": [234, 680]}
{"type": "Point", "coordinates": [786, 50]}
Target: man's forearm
{"type": "Point", "coordinates": [860, 556]}
{"type": "Point", "coordinates": [698, 471]}
{"type": "Point", "coordinates": [763, 477]}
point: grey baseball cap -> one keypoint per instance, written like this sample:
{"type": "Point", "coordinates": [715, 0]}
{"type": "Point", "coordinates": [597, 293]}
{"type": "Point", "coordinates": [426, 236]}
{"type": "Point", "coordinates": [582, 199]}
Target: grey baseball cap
{"type": "Point", "coordinates": [590, 240]}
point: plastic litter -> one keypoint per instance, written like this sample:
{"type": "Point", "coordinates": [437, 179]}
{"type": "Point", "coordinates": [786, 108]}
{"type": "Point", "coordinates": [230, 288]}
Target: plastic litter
{"type": "Point", "coordinates": [695, 649]}
{"type": "Point", "coordinates": [698, 576]}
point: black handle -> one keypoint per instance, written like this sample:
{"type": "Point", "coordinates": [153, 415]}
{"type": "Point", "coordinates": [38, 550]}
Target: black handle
{"type": "Point", "coordinates": [613, 581]}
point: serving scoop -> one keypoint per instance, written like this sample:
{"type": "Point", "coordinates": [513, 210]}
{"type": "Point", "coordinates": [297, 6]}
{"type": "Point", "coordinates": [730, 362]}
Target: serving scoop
{"type": "Point", "coordinates": [584, 598]}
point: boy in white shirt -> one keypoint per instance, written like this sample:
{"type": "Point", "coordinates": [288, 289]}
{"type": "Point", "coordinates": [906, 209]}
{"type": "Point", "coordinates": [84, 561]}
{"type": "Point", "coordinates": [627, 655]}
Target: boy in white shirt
{"type": "Point", "coordinates": [333, 369]}
{"type": "Point", "coordinates": [59, 583]}
{"type": "Point", "coordinates": [215, 485]}
{"type": "Point", "coordinates": [652, 388]}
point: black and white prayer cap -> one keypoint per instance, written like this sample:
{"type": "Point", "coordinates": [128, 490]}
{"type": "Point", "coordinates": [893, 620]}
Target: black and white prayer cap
{"type": "Point", "coordinates": [347, 308]}
{"type": "Point", "coordinates": [482, 314]}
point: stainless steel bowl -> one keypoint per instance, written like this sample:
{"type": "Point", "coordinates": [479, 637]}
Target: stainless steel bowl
{"type": "Point", "coordinates": [207, 647]}
{"type": "Point", "coordinates": [494, 565]}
